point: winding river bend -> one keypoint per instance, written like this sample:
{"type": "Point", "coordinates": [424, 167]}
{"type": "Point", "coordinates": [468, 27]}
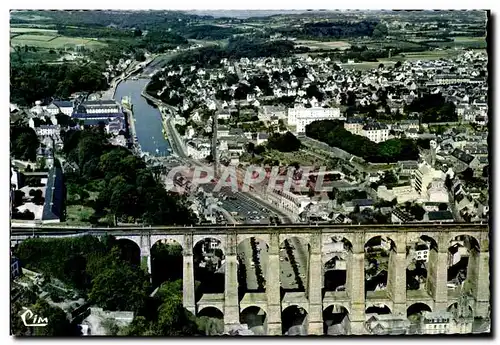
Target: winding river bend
{"type": "Point", "coordinates": [148, 124]}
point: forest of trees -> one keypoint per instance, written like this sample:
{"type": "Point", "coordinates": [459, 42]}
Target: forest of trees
{"type": "Point", "coordinates": [125, 186]}
{"type": "Point", "coordinates": [33, 82]}
{"type": "Point", "coordinates": [340, 29]}
{"type": "Point", "coordinates": [237, 48]}
{"type": "Point", "coordinates": [99, 270]}
{"type": "Point", "coordinates": [23, 143]}
{"type": "Point", "coordinates": [334, 134]}
{"type": "Point", "coordinates": [433, 108]}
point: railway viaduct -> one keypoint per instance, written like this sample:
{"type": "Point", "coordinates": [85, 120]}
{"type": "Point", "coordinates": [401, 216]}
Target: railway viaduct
{"type": "Point", "coordinates": [314, 301]}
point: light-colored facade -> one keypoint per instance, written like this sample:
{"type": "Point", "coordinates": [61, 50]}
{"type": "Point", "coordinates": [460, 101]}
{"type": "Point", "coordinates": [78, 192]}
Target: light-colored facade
{"type": "Point", "coordinates": [376, 132]}
{"type": "Point", "coordinates": [355, 127]}
{"type": "Point", "coordinates": [198, 150]}
{"type": "Point", "coordinates": [301, 117]}
{"type": "Point", "coordinates": [437, 192]}
{"type": "Point", "coordinates": [423, 176]}
{"type": "Point", "coordinates": [401, 193]}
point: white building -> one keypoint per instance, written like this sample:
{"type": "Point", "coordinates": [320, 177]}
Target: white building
{"type": "Point", "coordinates": [291, 203]}
{"type": "Point", "coordinates": [437, 191]}
{"type": "Point", "coordinates": [401, 193]}
{"type": "Point", "coordinates": [99, 107]}
{"type": "Point", "coordinates": [376, 132]}
{"type": "Point", "coordinates": [422, 252]}
{"type": "Point", "coordinates": [56, 107]}
{"type": "Point", "coordinates": [301, 117]}
{"type": "Point", "coordinates": [423, 177]}
{"type": "Point", "coordinates": [197, 150]}
{"type": "Point", "coordinates": [46, 130]}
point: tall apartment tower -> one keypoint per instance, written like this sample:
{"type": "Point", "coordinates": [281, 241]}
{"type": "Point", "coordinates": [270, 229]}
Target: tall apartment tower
{"type": "Point", "coordinates": [215, 154]}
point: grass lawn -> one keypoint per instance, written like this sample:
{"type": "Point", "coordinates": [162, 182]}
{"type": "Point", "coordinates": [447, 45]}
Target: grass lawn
{"type": "Point", "coordinates": [78, 214]}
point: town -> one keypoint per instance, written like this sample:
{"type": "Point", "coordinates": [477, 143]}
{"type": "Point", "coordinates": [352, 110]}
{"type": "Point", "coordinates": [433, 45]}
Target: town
{"type": "Point", "coordinates": [268, 129]}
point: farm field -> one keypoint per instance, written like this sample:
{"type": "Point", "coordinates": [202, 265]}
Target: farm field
{"type": "Point", "coordinates": [54, 42]}
{"type": "Point", "coordinates": [341, 45]}
{"type": "Point", "coordinates": [29, 29]}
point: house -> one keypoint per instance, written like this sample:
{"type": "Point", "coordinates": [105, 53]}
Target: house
{"type": "Point", "coordinates": [56, 107]}
{"type": "Point", "coordinates": [376, 132]}
{"type": "Point", "coordinates": [463, 201]}
{"type": "Point", "coordinates": [262, 138]}
{"type": "Point", "coordinates": [422, 252]}
{"type": "Point", "coordinates": [408, 167]}
{"type": "Point", "coordinates": [48, 130]}
{"type": "Point", "coordinates": [465, 159]}
{"type": "Point", "coordinates": [436, 322]}
{"type": "Point", "coordinates": [354, 125]}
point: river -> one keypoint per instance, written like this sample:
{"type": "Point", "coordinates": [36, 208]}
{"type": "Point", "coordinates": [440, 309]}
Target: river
{"type": "Point", "coordinates": [148, 124]}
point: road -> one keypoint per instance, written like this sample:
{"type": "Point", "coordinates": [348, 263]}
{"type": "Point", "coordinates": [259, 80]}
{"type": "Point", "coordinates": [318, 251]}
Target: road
{"type": "Point", "coordinates": [290, 279]}
{"type": "Point", "coordinates": [235, 203]}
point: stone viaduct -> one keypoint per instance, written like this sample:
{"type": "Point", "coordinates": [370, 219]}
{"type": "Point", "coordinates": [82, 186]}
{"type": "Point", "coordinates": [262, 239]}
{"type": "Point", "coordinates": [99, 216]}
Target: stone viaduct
{"type": "Point", "coordinates": [437, 295]}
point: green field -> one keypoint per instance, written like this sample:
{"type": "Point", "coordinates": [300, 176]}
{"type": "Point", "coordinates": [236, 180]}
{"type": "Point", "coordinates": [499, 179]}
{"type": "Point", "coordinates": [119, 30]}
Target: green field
{"type": "Point", "coordinates": [313, 45]}
{"type": "Point", "coordinates": [54, 42]}
{"type": "Point", "coordinates": [37, 30]}
{"type": "Point", "coordinates": [28, 37]}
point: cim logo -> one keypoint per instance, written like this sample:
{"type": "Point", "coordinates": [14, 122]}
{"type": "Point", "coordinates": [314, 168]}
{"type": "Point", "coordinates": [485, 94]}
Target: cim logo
{"type": "Point", "coordinates": [32, 320]}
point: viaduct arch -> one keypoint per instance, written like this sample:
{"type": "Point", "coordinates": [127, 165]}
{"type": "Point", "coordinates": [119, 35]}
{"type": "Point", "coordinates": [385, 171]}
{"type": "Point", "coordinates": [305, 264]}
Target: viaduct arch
{"type": "Point", "coordinates": [315, 301]}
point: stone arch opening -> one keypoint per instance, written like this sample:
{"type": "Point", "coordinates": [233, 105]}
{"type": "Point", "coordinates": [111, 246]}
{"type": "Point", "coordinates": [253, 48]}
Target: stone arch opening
{"type": "Point", "coordinates": [336, 320]}
{"type": "Point", "coordinates": [209, 265]}
{"type": "Point", "coordinates": [418, 257]}
{"type": "Point", "coordinates": [294, 264]}
{"type": "Point", "coordinates": [212, 312]}
{"type": "Point", "coordinates": [335, 269]}
{"type": "Point", "coordinates": [294, 320]}
{"type": "Point", "coordinates": [462, 252]}
{"type": "Point", "coordinates": [415, 314]}
{"type": "Point", "coordinates": [211, 321]}
{"type": "Point", "coordinates": [377, 252]}
{"type": "Point", "coordinates": [129, 251]}
{"type": "Point", "coordinates": [256, 320]}
{"type": "Point", "coordinates": [166, 261]}
{"type": "Point", "coordinates": [380, 309]}
{"type": "Point", "coordinates": [252, 254]}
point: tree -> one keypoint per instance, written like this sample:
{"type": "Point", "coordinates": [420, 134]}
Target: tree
{"type": "Point", "coordinates": [284, 142]}
{"type": "Point", "coordinates": [380, 31]}
{"type": "Point", "coordinates": [18, 198]}
{"type": "Point", "coordinates": [58, 325]}
{"type": "Point", "coordinates": [120, 286]}
{"type": "Point", "coordinates": [417, 211]}
{"type": "Point", "coordinates": [443, 207]}
{"type": "Point", "coordinates": [468, 174]}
